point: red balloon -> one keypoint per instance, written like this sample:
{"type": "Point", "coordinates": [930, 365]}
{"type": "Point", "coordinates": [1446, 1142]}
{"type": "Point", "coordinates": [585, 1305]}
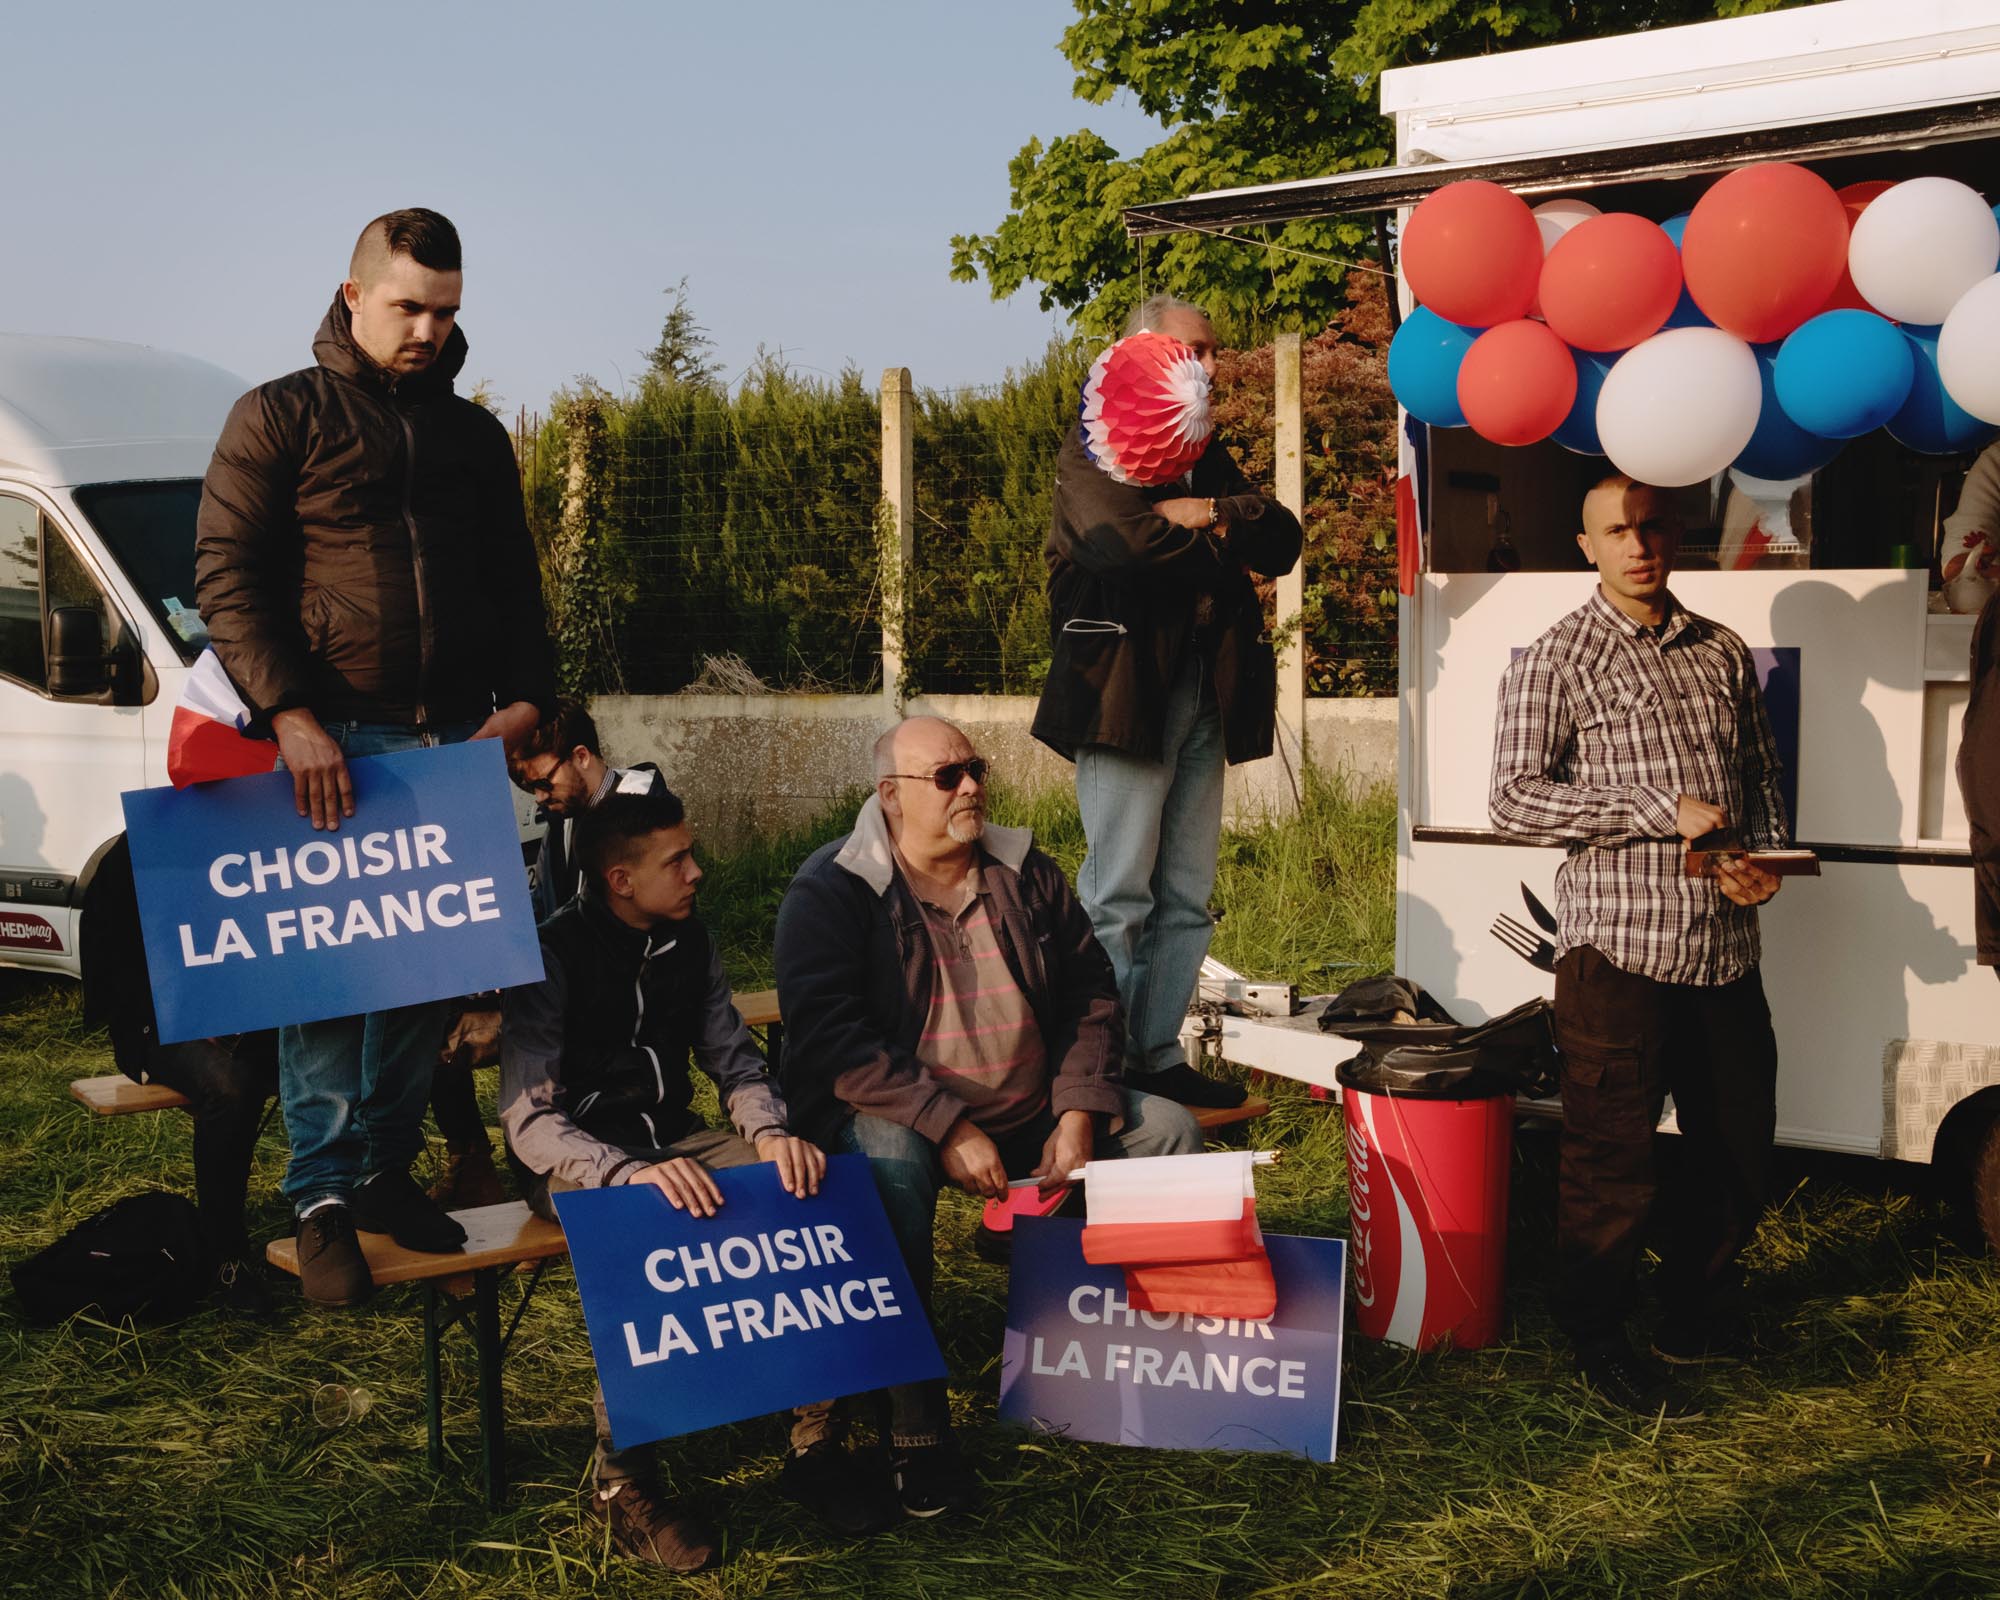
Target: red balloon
{"type": "Point", "coordinates": [1763, 249]}
{"type": "Point", "coordinates": [1855, 196]}
{"type": "Point", "coordinates": [1472, 253]}
{"type": "Point", "coordinates": [1610, 282]}
{"type": "Point", "coordinates": [1516, 383]}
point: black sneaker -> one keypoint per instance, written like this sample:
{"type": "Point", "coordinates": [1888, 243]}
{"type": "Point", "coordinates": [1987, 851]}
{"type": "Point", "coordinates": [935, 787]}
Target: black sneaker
{"type": "Point", "coordinates": [648, 1527]}
{"type": "Point", "coordinates": [392, 1203]}
{"type": "Point", "coordinates": [933, 1478]}
{"type": "Point", "coordinates": [331, 1269]}
{"type": "Point", "coordinates": [1635, 1383]}
{"type": "Point", "coordinates": [1181, 1082]}
{"type": "Point", "coordinates": [847, 1490]}
{"type": "Point", "coordinates": [1698, 1338]}
{"type": "Point", "coordinates": [239, 1288]}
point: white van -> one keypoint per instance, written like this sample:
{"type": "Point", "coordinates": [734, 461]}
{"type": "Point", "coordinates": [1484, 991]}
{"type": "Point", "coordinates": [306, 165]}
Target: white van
{"type": "Point", "coordinates": [1888, 1032]}
{"type": "Point", "coordinates": [102, 451]}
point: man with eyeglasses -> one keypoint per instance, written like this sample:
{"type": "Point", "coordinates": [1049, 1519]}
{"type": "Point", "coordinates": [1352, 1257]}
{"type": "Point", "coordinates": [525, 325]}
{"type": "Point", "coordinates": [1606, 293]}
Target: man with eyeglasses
{"type": "Point", "coordinates": [952, 1017]}
{"type": "Point", "coordinates": [562, 765]}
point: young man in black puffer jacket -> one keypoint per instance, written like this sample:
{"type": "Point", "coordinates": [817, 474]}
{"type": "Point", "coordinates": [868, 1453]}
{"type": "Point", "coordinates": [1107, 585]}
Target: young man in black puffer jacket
{"type": "Point", "coordinates": [595, 1090]}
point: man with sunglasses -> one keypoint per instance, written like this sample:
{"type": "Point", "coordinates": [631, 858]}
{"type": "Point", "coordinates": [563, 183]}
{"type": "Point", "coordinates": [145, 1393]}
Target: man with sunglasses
{"type": "Point", "coordinates": [562, 765]}
{"type": "Point", "coordinates": [951, 1016]}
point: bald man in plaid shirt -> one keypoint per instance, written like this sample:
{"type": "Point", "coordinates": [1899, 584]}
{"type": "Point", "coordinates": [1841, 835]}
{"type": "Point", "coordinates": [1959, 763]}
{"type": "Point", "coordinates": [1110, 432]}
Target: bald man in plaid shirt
{"type": "Point", "coordinates": [1629, 728]}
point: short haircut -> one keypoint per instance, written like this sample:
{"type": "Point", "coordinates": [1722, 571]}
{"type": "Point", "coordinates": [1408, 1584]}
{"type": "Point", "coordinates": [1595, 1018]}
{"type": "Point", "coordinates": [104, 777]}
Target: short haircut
{"type": "Point", "coordinates": [612, 832]}
{"type": "Point", "coordinates": [1618, 480]}
{"type": "Point", "coordinates": [885, 753]}
{"type": "Point", "coordinates": [426, 237]}
{"type": "Point", "coordinates": [560, 734]}
{"type": "Point", "coordinates": [1149, 313]}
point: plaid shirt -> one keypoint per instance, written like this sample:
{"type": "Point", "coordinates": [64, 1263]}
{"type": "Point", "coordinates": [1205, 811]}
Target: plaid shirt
{"type": "Point", "coordinates": [1603, 725]}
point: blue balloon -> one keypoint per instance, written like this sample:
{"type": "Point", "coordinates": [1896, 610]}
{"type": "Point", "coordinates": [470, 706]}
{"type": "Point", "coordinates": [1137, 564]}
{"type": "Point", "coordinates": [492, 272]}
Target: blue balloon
{"type": "Point", "coordinates": [1686, 314]}
{"type": "Point", "coordinates": [1579, 429]}
{"type": "Point", "coordinates": [1780, 449]}
{"type": "Point", "coordinates": [1931, 422]}
{"type": "Point", "coordinates": [1844, 373]}
{"type": "Point", "coordinates": [1424, 359]}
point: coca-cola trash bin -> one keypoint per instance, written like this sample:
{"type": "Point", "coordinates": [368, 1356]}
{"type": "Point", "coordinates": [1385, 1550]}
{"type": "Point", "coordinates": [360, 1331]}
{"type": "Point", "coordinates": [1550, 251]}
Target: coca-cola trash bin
{"type": "Point", "coordinates": [1429, 1107]}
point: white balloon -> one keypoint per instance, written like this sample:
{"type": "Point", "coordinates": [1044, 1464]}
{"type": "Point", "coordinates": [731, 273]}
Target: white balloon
{"type": "Point", "coordinates": [1556, 217]}
{"type": "Point", "coordinates": [1919, 246]}
{"type": "Point", "coordinates": [1969, 350]}
{"type": "Point", "coordinates": [1680, 407]}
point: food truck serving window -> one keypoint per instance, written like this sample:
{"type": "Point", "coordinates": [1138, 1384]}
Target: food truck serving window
{"type": "Point", "coordinates": [1877, 504]}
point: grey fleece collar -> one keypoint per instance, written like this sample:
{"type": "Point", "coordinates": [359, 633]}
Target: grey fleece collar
{"type": "Point", "coordinates": [868, 855]}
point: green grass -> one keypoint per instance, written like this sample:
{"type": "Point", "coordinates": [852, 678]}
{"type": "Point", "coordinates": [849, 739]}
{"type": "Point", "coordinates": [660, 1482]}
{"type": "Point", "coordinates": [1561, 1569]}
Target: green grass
{"type": "Point", "coordinates": [1857, 1460]}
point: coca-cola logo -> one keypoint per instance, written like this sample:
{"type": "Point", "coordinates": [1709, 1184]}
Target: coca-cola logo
{"type": "Point", "coordinates": [1361, 1211]}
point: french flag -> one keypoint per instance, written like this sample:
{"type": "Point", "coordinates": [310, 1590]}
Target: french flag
{"type": "Point", "coordinates": [207, 740]}
{"type": "Point", "coordinates": [1185, 1230]}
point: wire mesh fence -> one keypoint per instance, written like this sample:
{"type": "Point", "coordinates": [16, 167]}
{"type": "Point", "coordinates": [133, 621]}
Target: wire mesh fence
{"type": "Point", "coordinates": [701, 538]}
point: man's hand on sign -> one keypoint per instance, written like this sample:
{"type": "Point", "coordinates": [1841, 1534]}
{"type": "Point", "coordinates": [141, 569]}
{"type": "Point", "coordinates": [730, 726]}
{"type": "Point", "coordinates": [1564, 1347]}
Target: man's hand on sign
{"type": "Point", "coordinates": [685, 1182]}
{"type": "Point", "coordinates": [800, 1162]}
{"type": "Point", "coordinates": [972, 1161]}
{"type": "Point", "coordinates": [1695, 817]}
{"type": "Point", "coordinates": [1744, 883]}
{"type": "Point", "coordinates": [511, 725]}
{"type": "Point", "coordinates": [320, 783]}
{"type": "Point", "coordinates": [473, 1041]}
{"type": "Point", "coordinates": [1067, 1149]}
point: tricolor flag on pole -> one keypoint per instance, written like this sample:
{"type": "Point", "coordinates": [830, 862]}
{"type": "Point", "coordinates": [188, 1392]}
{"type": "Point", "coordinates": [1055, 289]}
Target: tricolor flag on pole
{"type": "Point", "coordinates": [207, 740]}
{"type": "Point", "coordinates": [1185, 1230]}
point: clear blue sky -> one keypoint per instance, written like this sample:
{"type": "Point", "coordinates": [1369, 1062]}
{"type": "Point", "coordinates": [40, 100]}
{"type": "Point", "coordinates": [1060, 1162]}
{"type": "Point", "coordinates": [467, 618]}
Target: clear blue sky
{"type": "Point", "coordinates": [193, 175]}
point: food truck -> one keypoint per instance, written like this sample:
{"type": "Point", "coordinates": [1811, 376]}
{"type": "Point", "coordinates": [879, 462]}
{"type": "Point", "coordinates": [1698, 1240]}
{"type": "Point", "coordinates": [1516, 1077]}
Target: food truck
{"type": "Point", "coordinates": [1889, 1033]}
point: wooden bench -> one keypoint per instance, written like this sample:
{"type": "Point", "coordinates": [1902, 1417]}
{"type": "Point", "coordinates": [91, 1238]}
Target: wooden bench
{"type": "Point", "coordinates": [1224, 1116]}
{"type": "Point", "coordinates": [463, 1286]}
{"type": "Point", "coordinates": [115, 1095]}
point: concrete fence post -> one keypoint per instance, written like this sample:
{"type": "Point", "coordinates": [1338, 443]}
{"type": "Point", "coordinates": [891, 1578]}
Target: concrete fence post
{"type": "Point", "coordinates": [895, 528]}
{"type": "Point", "coordinates": [1289, 454]}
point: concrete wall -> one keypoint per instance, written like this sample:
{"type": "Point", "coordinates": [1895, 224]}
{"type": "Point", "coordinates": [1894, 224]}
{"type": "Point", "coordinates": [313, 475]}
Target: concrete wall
{"type": "Point", "coordinates": [747, 763]}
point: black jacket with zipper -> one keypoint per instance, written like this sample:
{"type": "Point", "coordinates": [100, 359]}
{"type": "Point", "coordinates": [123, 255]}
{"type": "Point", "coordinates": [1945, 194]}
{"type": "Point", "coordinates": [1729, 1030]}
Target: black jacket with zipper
{"type": "Point", "coordinates": [1126, 593]}
{"type": "Point", "coordinates": [361, 548]}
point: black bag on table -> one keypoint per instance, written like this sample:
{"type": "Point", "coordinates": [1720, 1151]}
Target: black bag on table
{"type": "Point", "coordinates": [142, 1257]}
{"type": "Point", "coordinates": [1411, 1045]}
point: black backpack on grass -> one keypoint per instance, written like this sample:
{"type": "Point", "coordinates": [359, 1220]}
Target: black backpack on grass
{"type": "Point", "coordinates": [141, 1257]}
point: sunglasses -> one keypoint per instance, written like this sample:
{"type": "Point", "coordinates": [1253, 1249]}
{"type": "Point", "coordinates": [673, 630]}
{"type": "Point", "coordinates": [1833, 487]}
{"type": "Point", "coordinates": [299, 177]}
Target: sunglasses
{"type": "Point", "coordinates": [949, 776]}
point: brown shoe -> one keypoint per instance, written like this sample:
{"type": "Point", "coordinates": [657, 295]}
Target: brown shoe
{"type": "Point", "coordinates": [648, 1527]}
{"type": "Point", "coordinates": [469, 1179]}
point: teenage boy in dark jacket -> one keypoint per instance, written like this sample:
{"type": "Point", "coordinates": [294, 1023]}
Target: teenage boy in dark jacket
{"type": "Point", "coordinates": [950, 1016]}
{"type": "Point", "coordinates": [364, 567]}
{"type": "Point", "coordinates": [595, 1090]}
{"type": "Point", "coordinates": [1160, 676]}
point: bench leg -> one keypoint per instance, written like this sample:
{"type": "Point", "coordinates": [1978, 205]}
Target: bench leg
{"type": "Point", "coordinates": [492, 1413]}
{"type": "Point", "coordinates": [433, 1377]}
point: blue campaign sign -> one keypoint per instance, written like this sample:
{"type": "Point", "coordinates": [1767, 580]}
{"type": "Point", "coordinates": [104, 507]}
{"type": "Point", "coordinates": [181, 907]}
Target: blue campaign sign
{"type": "Point", "coordinates": [1079, 1360]}
{"type": "Point", "coordinates": [772, 1302]}
{"type": "Point", "coordinates": [254, 920]}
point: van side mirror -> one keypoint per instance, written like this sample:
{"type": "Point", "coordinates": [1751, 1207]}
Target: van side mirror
{"type": "Point", "coordinates": [78, 665]}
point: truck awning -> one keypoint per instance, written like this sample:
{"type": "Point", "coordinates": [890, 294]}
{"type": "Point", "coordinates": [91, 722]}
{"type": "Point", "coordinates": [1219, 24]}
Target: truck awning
{"type": "Point", "coordinates": [1381, 189]}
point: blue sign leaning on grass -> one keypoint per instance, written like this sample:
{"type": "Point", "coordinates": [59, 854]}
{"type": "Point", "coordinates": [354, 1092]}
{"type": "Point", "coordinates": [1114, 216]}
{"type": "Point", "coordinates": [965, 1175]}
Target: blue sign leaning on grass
{"type": "Point", "coordinates": [1078, 1360]}
{"type": "Point", "coordinates": [773, 1302]}
{"type": "Point", "coordinates": [252, 919]}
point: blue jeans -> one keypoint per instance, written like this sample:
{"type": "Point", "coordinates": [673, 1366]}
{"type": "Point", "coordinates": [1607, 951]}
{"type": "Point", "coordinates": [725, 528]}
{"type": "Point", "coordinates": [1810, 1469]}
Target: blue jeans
{"type": "Point", "coordinates": [908, 1176]}
{"type": "Point", "coordinates": [1153, 828]}
{"type": "Point", "coordinates": [354, 1088]}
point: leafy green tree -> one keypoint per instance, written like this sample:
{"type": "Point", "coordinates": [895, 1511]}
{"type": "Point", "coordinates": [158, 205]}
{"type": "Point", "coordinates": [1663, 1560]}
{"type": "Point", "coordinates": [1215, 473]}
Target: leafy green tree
{"type": "Point", "coordinates": [684, 353]}
{"type": "Point", "coordinates": [1248, 93]}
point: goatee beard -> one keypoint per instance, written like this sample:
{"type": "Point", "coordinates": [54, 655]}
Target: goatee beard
{"type": "Point", "coordinates": [966, 826]}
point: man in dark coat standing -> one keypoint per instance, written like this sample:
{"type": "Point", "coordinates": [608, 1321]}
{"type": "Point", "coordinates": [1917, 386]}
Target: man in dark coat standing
{"type": "Point", "coordinates": [364, 567]}
{"type": "Point", "coordinates": [1161, 675]}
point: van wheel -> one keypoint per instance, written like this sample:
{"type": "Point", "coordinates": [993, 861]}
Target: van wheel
{"type": "Point", "coordinates": [1986, 1185]}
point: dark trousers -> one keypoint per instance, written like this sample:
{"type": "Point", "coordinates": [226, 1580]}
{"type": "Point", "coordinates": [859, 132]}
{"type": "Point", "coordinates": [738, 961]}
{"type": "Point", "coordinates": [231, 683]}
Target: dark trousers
{"type": "Point", "coordinates": [228, 1082]}
{"type": "Point", "coordinates": [1627, 1042]}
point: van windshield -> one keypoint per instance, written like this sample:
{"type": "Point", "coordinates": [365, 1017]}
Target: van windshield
{"type": "Point", "coordinates": [149, 530]}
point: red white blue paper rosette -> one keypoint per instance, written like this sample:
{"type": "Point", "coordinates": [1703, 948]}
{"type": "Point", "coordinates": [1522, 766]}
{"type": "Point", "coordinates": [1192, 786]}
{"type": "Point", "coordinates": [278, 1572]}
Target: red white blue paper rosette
{"type": "Point", "coordinates": [1145, 410]}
